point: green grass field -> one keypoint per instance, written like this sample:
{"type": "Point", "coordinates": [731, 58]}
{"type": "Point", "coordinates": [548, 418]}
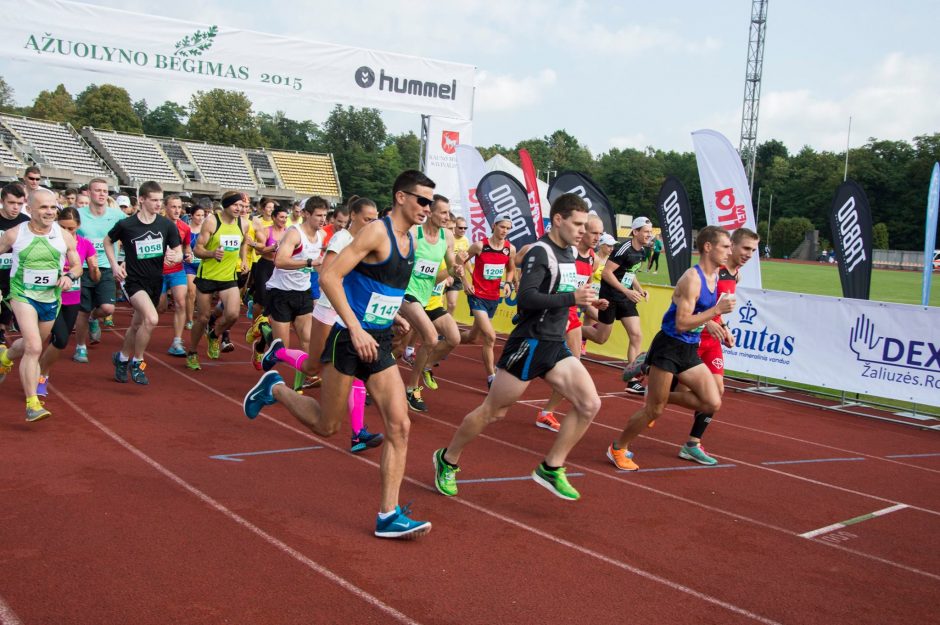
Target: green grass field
{"type": "Point", "coordinates": [902, 287]}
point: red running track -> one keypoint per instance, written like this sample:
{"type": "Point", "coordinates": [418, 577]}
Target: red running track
{"type": "Point", "coordinates": [115, 511]}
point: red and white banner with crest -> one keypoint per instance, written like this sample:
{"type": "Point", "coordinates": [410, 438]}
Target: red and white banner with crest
{"type": "Point", "coordinates": [440, 162]}
{"type": "Point", "coordinates": [725, 191]}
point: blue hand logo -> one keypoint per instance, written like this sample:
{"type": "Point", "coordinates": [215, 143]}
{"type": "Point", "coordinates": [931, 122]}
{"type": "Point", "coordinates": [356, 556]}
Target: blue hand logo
{"type": "Point", "coordinates": [863, 340]}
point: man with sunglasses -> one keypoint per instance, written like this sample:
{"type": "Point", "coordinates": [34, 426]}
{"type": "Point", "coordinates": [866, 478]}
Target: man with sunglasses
{"type": "Point", "coordinates": [366, 284]}
{"type": "Point", "coordinates": [31, 178]}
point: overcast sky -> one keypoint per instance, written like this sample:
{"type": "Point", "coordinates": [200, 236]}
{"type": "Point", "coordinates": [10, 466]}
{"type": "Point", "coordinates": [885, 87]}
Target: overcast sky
{"type": "Point", "coordinates": [613, 74]}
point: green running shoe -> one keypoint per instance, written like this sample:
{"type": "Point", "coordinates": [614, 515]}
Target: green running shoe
{"type": "Point", "coordinates": [556, 482]}
{"type": "Point", "coordinates": [214, 347]}
{"type": "Point", "coordinates": [192, 361]}
{"type": "Point", "coordinates": [445, 475]}
{"type": "Point", "coordinates": [429, 380]}
{"type": "Point", "coordinates": [696, 454]}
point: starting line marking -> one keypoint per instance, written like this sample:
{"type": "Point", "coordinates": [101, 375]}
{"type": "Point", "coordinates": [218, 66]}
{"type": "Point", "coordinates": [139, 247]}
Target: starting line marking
{"type": "Point", "coordinates": [691, 467]}
{"type": "Point", "coordinates": [235, 457]}
{"type": "Point", "coordinates": [814, 460]}
{"type": "Point", "coordinates": [915, 455]}
{"type": "Point", "coordinates": [858, 519]}
{"type": "Point", "coordinates": [508, 479]}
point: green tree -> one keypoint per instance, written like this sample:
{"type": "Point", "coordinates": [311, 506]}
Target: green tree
{"type": "Point", "coordinates": [409, 149]}
{"type": "Point", "coordinates": [56, 105]}
{"type": "Point", "coordinates": [167, 120]}
{"type": "Point", "coordinates": [489, 152]}
{"type": "Point", "coordinates": [365, 161]}
{"type": "Point", "coordinates": [221, 116]}
{"type": "Point", "coordinates": [879, 236]}
{"type": "Point", "coordinates": [787, 233]}
{"type": "Point", "coordinates": [6, 96]}
{"type": "Point", "coordinates": [284, 133]}
{"type": "Point", "coordinates": [107, 107]}
{"type": "Point", "coordinates": [142, 110]}
{"type": "Point", "coordinates": [631, 179]}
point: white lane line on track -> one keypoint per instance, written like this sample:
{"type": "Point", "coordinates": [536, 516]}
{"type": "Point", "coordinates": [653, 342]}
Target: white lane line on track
{"type": "Point", "coordinates": [580, 549]}
{"type": "Point", "coordinates": [245, 523]}
{"type": "Point", "coordinates": [723, 422]}
{"type": "Point", "coordinates": [7, 615]}
{"type": "Point", "coordinates": [635, 484]}
{"type": "Point", "coordinates": [846, 523]}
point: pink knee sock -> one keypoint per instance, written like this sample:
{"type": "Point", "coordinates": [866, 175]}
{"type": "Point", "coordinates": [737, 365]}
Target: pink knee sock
{"type": "Point", "coordinates": [294, 357]}
{"type": "Point", "coordinates": [357, 406]}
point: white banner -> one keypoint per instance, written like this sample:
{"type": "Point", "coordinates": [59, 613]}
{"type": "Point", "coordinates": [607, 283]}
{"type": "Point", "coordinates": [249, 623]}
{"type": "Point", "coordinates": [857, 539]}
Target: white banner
{"type": "Point", "coordinates": [70, 34]}
{"type": "Point", "coordinates": [470, 170]}
{"type": "Point", "coordinates": [725, 191]}
{"type": "Point", "coordinates": [874, 348]}
{"type": "Point", "coordinates": [441, 157]}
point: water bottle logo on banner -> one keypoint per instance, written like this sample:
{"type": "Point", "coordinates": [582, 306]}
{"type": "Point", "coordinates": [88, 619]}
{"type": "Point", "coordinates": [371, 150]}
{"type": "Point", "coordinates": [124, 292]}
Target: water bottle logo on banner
{"type": "Point", "coordinates": [758, 341]}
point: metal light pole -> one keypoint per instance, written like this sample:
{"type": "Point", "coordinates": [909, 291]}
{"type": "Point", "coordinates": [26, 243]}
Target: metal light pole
{"type": "Point", "coordinates": [770, 214]}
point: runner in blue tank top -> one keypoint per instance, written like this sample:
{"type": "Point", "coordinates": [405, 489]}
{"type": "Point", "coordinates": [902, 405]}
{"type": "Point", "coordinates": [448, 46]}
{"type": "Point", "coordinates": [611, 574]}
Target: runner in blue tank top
{"type": "Point", "coordinates": [673, 355]}
{"type": "Point", "coordinates": [365, 284]}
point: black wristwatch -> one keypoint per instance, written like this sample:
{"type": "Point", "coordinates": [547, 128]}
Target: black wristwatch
{"type": "Point", "coordinates": [309, 263]}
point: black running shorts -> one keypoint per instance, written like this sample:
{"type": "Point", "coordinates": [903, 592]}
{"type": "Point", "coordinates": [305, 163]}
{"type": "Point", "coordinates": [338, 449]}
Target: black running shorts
{"type": "Point", "coordinates": [672, 355]}
{"type": "Point", "coordinates": [527, 358]}
{"type": "Point", "coordinates": [342, 354]}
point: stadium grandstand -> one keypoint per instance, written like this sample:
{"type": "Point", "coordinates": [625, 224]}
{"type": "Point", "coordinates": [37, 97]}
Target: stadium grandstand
{"type": "Point", "coordinates": [69, 158]}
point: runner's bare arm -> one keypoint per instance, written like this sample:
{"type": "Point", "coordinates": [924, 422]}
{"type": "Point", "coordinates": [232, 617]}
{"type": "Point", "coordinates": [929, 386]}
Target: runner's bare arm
{"type": "Point", "coordinates": [284, 258]}
{"type": "Point", "coordinates": [205, 233]}
{"type": "Point", "coordinates": [7, 240]}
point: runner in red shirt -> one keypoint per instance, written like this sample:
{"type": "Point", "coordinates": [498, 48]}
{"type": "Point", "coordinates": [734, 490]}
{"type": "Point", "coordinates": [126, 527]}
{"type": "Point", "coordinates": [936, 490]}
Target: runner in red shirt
{"type": "Point", "coordinates": [744, 244]}
{"type": "Point", "coordinates": [493, 274]}
{"type": "Point", "coordinates": [174, 277]}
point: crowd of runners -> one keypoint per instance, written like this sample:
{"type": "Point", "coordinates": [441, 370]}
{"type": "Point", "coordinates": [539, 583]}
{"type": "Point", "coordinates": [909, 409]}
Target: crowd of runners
{"type": "Point", "coordinates": [337, 296]}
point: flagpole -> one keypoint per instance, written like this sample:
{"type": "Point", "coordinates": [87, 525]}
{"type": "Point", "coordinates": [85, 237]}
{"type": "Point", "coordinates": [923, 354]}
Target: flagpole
{"type": "Point", "coordinates": [848, 138]}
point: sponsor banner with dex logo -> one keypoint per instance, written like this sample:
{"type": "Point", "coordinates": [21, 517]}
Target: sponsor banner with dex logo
{"type": "Point", "coordinates": [874, 348]}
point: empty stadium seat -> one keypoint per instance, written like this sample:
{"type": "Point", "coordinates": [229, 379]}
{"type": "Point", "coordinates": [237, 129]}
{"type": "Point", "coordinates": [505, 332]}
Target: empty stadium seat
{"type": "Point", "coordinates": [136, 157]}
{"type": "Point", "coordinates": [222, 164]}
{"type": "Point", "coordinates": [58, 145]}
{"type": "Point", "coordinates": [308, 174]}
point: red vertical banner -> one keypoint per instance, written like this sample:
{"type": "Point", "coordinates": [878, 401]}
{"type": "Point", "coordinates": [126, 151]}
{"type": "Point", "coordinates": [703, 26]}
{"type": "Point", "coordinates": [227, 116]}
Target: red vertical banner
{"type": "Point", "coordinates": [532, 188]}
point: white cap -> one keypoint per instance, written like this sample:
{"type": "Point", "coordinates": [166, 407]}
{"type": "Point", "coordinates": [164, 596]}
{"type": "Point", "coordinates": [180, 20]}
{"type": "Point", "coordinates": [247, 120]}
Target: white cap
{"type": "Point", "coordinates": [639, 222]}
{"type": "Point", "coordinates": [607, 239]}
{"type": "Point", "coordinates": [123, 200]}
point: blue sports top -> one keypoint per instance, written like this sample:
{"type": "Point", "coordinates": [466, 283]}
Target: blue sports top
{"type": "Point", "coordinates": [706, 299]}
{"type": "Point", "coordinates": [375, 290]}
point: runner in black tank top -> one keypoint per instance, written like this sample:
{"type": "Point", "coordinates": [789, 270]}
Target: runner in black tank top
{"type": "Point", "coordinates": [379, 258]}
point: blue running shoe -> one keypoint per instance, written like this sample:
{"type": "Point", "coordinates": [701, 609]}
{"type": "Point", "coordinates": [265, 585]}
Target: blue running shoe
{"type": "Point", "coordinates": [120, 367]}
{"type": "Point", "coordinates": [269, 359]}
{"type": "Point", "coordinates": [365, 439]}
{"type": "Point", "coordinates": [261, 394]}
{"type": "Point", "coordinates": [399, 525]}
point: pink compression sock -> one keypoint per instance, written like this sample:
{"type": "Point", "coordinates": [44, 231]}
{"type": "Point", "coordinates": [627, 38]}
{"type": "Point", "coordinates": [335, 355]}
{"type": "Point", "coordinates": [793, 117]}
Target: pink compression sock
{"type": "Point", "coordinates": [294, 357]}
{"type": "Point", "coordinates": [357, 406]}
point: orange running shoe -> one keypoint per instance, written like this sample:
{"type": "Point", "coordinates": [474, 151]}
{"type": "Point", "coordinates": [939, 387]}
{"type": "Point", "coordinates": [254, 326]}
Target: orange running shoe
{"type": "Point", "coordinates": [621, 460]}
{"type": "Point", "coordinates": [548, 421]}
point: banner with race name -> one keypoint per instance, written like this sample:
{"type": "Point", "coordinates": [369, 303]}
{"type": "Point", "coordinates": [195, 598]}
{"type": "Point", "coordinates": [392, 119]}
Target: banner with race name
{"type": "Point", "coordinates": [874, 348]}
{"type": "Point", "coordinates": [101, 39]}
{"type": "Point", "coordinates": [440, 157]}
{"type": "Point", "coordinates": [725, 190]}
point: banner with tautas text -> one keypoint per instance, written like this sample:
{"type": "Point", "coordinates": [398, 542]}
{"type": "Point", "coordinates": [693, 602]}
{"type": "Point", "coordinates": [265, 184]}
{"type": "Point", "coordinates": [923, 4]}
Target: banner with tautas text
{"type": "Point", "coordinates": [930, 234]}
{"type": "Point", "coordinates": [861, 346]}
{"type": "Point", "coordinates": [101, 39]}
{"type": "Point", "coordinates": [850, 221]}
{"type": "Point", "coordinates": [725, 191]}
{"type": "Point", "coordinates": [440, 157]}
{"type": "Point", "coordinates": [675, 219]}
{"type": "Point", "coordinates": [470, 171]}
